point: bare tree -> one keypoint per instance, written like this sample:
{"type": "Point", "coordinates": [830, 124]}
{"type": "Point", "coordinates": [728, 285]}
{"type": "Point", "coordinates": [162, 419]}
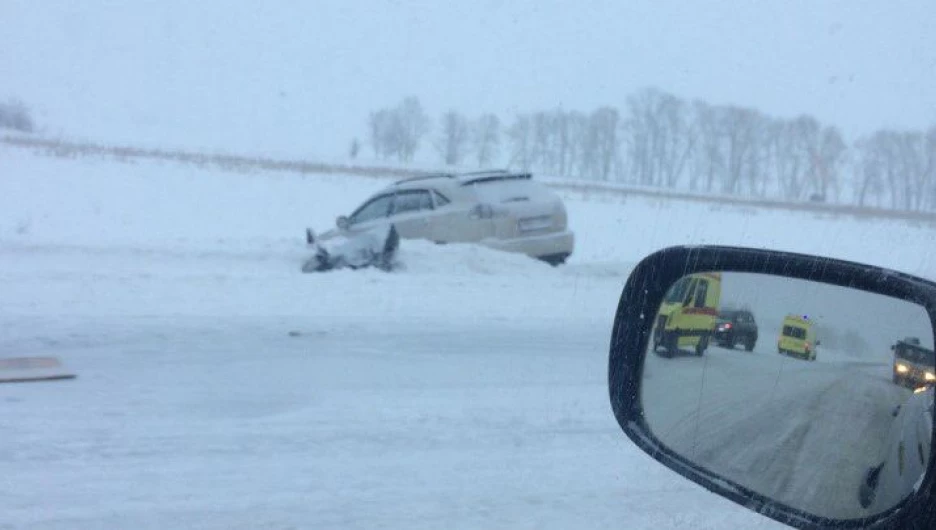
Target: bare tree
{"type": "Point", "coordinates": [826, 162]}
{"type": "Point", "coordinates": [603, 134]}
{"type": "Point", "coordinates": [454, 137]}
{"type": "Point", "coordinates": [14, 115]}
{"type": "Point", "coordinates": [486, 139]}
{"type": "Point", "coordinates": [521, 140]}
{"type": "Point", "coordinates": [869, 167]}
{"type": "Point", "coordinates": [381, 125]}
{"type": "Point", "coordinates": [413, 126]}
{"type": "Point", "coordinates": [740, 127]}
{"type": "Point", "coordinates": [708, 161]}
{"type": "Point", "coordinates": [678, 137]}
{"type": "Point", "coordinates": [659, 136]}
{"type": "Point", "coordinates": [398, 131]}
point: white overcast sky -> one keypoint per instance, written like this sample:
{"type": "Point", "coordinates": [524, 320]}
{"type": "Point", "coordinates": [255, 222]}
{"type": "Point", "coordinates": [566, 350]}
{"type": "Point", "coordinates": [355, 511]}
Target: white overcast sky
{"type": "Point", "coordinates": [300, 77]}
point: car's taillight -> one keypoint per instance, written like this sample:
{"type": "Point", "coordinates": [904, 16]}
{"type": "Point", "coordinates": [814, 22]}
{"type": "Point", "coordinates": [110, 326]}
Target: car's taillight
{"type": "Point", "coordinates": [727, 326]}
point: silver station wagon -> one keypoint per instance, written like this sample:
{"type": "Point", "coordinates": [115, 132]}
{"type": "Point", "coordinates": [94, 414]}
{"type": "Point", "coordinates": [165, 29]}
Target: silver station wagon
{"type": "Point", "coordinates": [498, 209]}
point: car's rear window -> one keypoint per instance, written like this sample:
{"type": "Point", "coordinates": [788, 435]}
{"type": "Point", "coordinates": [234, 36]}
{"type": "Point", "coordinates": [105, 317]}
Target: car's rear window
{"type": "Point", "coordinates": [513, 190]}
{"type": "Point", "coordinates": [795, 332]}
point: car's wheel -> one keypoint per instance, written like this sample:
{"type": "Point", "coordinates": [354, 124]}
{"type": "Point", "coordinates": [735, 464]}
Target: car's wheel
{"type": "Point", "coordinates": [702, 346]}
{"type": "Point", "coordinates": [671, 344]}
{"type": "Point", "coordinates": [554, 259]}
{"type": "Point", "coordinates": [750, 343]}
{"type": "Point", "coordinates": [732, 341]}
{"type": "Point", "coordinates": [897, 380]}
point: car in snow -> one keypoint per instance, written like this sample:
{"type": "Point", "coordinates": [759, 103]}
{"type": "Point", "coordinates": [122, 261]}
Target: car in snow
{"type": "Point", "coordinates": [498, 209]}
{"type": "Point", "coordinates": [735, 327]}
{"type": "Point", "coordinates": [798, 338]}
{"type": "Point", "coordinates": [914, 365]}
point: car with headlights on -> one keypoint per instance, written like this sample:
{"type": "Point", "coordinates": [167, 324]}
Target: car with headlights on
{"type": "Point", "coordinates": [914, 365]}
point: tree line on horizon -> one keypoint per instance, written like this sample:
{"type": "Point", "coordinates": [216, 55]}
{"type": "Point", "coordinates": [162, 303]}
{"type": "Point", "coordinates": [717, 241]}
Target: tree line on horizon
{"type": "Point", "coordinates": [662, 141]}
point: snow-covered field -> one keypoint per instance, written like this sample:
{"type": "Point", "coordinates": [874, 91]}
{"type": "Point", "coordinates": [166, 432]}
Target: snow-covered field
{"type": "Point", "coordinates": [220, 388]}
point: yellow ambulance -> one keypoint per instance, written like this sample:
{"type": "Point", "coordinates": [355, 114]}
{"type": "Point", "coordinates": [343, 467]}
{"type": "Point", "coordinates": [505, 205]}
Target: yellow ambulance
{"type": "Point", "coordinates": [798, 337]}
{"type": "Point", "coordinates": [686, 318]}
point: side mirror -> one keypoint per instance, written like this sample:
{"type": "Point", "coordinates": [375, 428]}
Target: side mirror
{"type": "Point", "coordinates": [806, 438]}
{"type": "Point", "coordinates": [818, 342]}
{"type": "Point", "coordinates": [342, 222]}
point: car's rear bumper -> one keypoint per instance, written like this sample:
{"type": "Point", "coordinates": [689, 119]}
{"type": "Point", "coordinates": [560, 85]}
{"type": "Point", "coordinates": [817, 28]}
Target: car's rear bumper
{"type": "Point", "coordinates": [552, 244]}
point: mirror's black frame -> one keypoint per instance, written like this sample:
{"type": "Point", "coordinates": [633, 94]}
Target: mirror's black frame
{"type": "Point", "coordinates": [633, 323]}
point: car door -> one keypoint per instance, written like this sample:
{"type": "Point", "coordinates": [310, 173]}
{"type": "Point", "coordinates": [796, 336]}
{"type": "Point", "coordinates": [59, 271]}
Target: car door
{"type": "Point", "coordinates": [411, 214]}
{"type": "Point", "coordinates": [371, 214]}
{"type": "Point", "coordinates": [452, 221]}
{"type": "Point", "coordinates": [745, 325]}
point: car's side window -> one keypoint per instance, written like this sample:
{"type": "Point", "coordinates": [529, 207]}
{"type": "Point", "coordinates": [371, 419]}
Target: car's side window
{"type": "Point", "coordinates": [440, 200]}
{"type": "Point", "coordinates": [375, 209]}
{"type": "Point", "coordinates": [411, 201]}
{"type": "Point", "coordinates": [425, 200]}
{"type": "Point", "coordinates": [701, 294]}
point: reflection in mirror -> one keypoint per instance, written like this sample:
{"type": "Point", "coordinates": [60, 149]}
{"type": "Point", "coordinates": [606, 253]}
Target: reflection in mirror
{"type": "Point", "coordinates": [818, 396]}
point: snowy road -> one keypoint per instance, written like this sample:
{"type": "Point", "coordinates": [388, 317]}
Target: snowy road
{"type": "Point", "coordinates": [196, 407]}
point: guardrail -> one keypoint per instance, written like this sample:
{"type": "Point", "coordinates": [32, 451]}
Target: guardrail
{"type": "Point", "coordinates": [237, 162]}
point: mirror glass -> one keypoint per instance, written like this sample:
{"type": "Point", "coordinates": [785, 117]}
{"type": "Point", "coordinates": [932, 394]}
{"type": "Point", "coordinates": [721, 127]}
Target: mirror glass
{"type": "Point", "coordinates": [818, 396]}
{"type": "Point", "coordinates": [342, 222]}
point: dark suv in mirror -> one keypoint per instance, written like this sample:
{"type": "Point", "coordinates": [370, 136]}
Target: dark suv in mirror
{"type": "Point", "coordinates": [735, 327]}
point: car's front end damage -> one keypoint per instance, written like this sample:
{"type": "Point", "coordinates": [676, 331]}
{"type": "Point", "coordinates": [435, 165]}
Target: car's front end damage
{"type": "Point", "coordinates": [372, 248]}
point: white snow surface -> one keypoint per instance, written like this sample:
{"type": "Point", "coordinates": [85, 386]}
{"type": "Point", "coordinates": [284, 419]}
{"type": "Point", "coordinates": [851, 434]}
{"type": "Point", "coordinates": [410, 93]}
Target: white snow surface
{"type": "Point", "coordinates": [220, 388]}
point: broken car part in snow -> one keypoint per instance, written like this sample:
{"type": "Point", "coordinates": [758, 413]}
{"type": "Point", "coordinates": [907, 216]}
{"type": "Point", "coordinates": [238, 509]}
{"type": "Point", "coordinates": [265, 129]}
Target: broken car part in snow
{"type": "Point", "coordinates": [26, 369]}
{"type": "Point", "coordinates": [373, 248]}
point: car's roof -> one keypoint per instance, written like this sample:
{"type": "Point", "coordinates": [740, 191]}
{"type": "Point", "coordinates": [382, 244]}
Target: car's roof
{"type": "Point", "coordinates": [797, 319]}
{"type": "Point", "coordinates": [443, 181]}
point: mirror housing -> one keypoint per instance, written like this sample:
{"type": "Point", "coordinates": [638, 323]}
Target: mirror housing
{"type": "Point", "coordinates": [632, 332]}
{"type": "Point", "coordinates": [342, 222]}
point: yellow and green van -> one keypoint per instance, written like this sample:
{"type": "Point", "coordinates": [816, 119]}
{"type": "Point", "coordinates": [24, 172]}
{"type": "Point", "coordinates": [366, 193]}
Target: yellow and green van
{"type": "Point", "coordinates": [798, 338]}
{"type": "Point", "coordinates": [686, 318]}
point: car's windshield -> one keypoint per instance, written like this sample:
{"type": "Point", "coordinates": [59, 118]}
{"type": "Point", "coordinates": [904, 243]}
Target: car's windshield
{"type": "Point", "coordinates": [679, 291]}
{"type": "Point", "coordinates": [917, 355]}
{"type": "Point", "coordinates": [240, 226]}
{"type": "Point", "coordinates": [374, 209]}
